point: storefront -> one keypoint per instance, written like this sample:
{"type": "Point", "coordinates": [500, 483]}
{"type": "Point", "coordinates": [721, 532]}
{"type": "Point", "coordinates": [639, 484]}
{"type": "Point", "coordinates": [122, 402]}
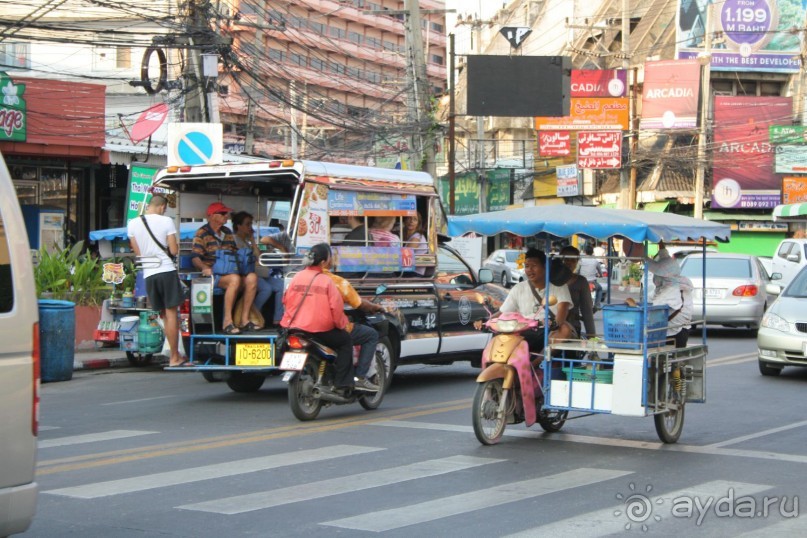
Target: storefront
{"type": "Point", "coordinates": [52, 140]}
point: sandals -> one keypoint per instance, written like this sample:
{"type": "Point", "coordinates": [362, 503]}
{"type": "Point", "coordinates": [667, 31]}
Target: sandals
{"type": "Point", "coordinates": [231, 329]}
{"type": "Point", "coordinates": [250, 327]}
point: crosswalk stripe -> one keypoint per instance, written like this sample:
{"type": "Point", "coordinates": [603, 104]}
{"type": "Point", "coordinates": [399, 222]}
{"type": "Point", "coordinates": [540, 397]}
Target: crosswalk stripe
{"type": "Point", "coordinates": [795, 526]}
{"type": "Point", "coordinates": [337, 486]}
{"type": "Point", "coordinates": [396, 518]}
{"type": "Point", "coordinates": [613, 520]}
{"type": "Point", "coordinates": [47, 428]}
{"type": "Point", "coordinates": [91, 438]}
{"type": "Point", "coordinates": [207, 472]}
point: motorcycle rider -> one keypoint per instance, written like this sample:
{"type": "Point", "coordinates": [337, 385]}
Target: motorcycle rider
{"type": "Point", "coordinates": [527, 298]}
{"type": "Point", "coordinates": [321, 312]}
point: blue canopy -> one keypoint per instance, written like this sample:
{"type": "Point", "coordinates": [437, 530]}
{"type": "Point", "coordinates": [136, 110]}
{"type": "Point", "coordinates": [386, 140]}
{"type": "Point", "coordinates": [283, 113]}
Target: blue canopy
{"type": "Point", "coordinates": [568, 220]}
{"type": "Point", "coordinates": [186, 232]}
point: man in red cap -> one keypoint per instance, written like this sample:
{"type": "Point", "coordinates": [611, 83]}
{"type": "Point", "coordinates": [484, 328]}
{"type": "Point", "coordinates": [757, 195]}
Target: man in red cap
{"type": "Point", "coordinates": [209, 239]}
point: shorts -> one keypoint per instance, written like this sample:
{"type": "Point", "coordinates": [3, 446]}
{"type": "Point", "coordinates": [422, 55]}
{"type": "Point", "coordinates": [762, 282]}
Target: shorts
{"type": "Point", "coordinates": [164, 290]}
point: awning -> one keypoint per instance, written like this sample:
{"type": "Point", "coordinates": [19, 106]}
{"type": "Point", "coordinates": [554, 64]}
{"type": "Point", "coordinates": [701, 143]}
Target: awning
{"type": "Point", "coordinates": [657, 207]}
{"type": "Point", "coordinates": [186, 232]}
{"type": "Point", "coordinates": [790, 212]}
{"type": "Point", "coordinates": [735, 216]}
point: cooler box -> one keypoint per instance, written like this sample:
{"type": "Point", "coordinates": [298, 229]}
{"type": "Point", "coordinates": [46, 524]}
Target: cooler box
{"type": "Point", "coordinates": [624, 326]}
{"type": "Point", "coordinates": [127, 333]}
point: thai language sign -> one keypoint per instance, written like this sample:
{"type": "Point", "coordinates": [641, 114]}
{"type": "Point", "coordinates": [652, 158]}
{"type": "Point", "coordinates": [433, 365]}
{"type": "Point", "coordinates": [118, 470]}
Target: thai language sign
{"type": "Point", "coordinates": [370, 203]}
{"type": "Point", "coordinates": [13, 120]}
{"type": "Point", "coordinates": [599, 149]}
{"type": "Point", "coordinates": [590, 113]}
{"type": "Point", "coordinates": [670, 94]}
{"type": "Point", "coordinates": [743, 157]}
{"type": "Point", "coordinates": [554, 143]}
{"type": "Point", "coordinates": [568, 184]}
{"type": "Point", "coordinates": [374, 259]}
{"type": "Point", "coordinates": [757, 34]}
{"type": "Point", "coordinates": [599, 83]}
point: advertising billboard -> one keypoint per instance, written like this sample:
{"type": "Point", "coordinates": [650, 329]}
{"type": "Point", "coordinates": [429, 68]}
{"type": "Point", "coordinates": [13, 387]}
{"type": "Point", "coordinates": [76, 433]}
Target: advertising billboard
{"type": "Point", "coordinates": [743, 157]}
{"type": "Point", "coordinates": [670, 94]}
{"type": "Point", "coordinates": [554, 143]}
{"type": "Point", "coordinates": [586, 113]}
{"type": "Point", "coordinates": [599, 82]}
{"type": "Point", "coordinates": [599, 149]}
{"type": "Point", "coordinates": [757, 33]}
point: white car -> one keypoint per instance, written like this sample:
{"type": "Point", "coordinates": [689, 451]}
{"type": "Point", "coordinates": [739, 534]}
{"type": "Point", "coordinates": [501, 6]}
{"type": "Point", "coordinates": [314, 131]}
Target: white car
{"type": "Point", "coordinates": [503, 263]}
{"type": "Point", "coordinates": [782, 337]}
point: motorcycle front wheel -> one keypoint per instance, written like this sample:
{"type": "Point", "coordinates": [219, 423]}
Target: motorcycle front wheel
{"type": "Point", "coordinates": [488, 424]}
{"type": "Point", "coordinates": [301, 393]}
{"type": "Point", "coordinates": [371, 400]}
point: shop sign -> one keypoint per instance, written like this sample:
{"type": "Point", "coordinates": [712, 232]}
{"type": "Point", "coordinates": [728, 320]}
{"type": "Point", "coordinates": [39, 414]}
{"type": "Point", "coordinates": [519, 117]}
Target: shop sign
{"type": "Point", "coordinates": [373, 259]}
{"type": "Point", "coordinates": [756, 34]}
{"type": "Point", "coordinates": [354, 203]}
{"type": "Point", "coordinates": [139, 191]}
{"type": "Point", "coordinates": [599, 82]}
{"type": "Point", "coordinates": [313, 227]}
{"type": "Point", "coordinates": [787, 134]}
{"type": "Point", "coordinates": [670, 94]}
{"type": "Point", "coordinates": [554, 143]}
{"type": "Point", "coordinates": [609, 113]}
{"type": "Point", "coordinates": [466, 194]}
{"type": "Point", "coordinates": [498, 181]}
{"type": "Point", "coordinates": [791, 160]}
{"type": "Point", "coordinates": [599, 149]}
{"type": "Point", "coordinates": [794, 190]}
{"type": "Point", "coordinates": [568, 184]}
{"type": "Point", "coordinates": [13, 113]}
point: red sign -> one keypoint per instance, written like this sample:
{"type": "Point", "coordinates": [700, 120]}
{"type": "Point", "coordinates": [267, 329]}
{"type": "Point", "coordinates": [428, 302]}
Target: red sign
{"type": "Point", "coordinates": [599, 149]}
{"type": "Point", "coordinates": [554, 143]}
{"type": "Point", "coordinates": [670, 94]}
{"type": "Point", "coordinates": [599, 82]}
{"type": "Point", "coordinates": [148, 122]}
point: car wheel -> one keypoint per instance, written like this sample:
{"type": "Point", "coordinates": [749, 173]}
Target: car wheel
{"type": "Point", "coordinates": [504, 280]}
{"type": "Point", "coordinates": [768, 370]}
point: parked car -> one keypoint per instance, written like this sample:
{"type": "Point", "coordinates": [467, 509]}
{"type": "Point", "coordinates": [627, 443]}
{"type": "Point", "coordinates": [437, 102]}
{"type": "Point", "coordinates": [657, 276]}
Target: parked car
{"type": "Point", "coordinates": [735, 288]}
{"type": "Point", "coordinates": [503, 263]}
{"type": "Point", "coordinates": [19, 366]}
{"type": "Point", "coordinates": [679, 252]}
{"type": "Point", "coordinates": [790, 258]}
{"type": "Point", "coordinates": [767, 263]}
{"type": "Point", "coordinates": [782, 337]}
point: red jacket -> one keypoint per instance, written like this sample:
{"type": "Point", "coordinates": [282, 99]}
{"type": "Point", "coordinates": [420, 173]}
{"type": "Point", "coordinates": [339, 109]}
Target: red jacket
{"type": "Point", "coordinates": [322, 310]}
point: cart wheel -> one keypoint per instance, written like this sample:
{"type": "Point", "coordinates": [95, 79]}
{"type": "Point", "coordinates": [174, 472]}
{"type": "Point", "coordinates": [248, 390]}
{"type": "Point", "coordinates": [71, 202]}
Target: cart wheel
{"type": "Point", "coordinates": [552, 421]}
{"type": "Point", "coordinates": [670, 424]}
{"type": "Point", "coordinates": [139, 359]}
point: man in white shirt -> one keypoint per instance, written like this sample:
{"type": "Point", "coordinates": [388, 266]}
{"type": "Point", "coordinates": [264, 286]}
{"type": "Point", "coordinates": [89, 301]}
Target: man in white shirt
{"type": "Point", "coordinates": [527, 299]}
{"type": "Point", "coordinates": [164, 291]}
{"type": "Point", "coordinates": [591, 270]}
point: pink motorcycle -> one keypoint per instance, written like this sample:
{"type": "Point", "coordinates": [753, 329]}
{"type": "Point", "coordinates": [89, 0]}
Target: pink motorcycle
{"type": "Point", "coordinates": [510, 388]}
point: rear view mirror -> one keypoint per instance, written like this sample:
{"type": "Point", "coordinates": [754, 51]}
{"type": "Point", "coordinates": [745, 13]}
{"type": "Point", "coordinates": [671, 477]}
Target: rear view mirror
{"type": "Point", "coordinates": [773, 289]}
{"type": "Point", "coordinates": [776, 276]}
{"type": "Point", "coordinates": [793, 258]}
{"type": "Point", "coordinates": [485, 276]}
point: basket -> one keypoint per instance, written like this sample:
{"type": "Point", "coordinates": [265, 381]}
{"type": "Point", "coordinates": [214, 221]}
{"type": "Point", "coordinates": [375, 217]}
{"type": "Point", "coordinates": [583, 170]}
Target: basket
{"type": "Point", "coordinates": [624, 326]}
{"type": "Point", "coordinates": [589, 375]}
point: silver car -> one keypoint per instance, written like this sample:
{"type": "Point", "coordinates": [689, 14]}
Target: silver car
{"type": "Point", "coordinates": [735, 294]}
{"type": "Point", "coordinates": [503, 263]}
{"type": "Point", "coordinates": [782, 337]}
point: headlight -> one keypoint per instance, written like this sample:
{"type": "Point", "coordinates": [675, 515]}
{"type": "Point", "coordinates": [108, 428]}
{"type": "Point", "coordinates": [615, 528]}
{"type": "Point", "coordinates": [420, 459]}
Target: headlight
{"type": "Point", "coordinates": [772, 321]}
{"type": "Point", "coordinates": [506, 326]}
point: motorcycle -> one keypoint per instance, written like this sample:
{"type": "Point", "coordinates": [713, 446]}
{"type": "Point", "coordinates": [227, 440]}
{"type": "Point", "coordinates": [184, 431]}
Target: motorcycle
{"type": "Point", "coordinates": [510, 389]}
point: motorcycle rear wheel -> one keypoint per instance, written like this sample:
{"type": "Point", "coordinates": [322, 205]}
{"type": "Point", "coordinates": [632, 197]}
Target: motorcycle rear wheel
{"type": "Point", "coordinates": [303, 404]}
{"type": "Point", "coordinates": [488, 425]}
{"type": "Point", "coordinates": [373, 399]}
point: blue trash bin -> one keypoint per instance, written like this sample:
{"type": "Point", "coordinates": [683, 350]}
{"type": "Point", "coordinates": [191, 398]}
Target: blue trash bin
{"type": "Point", "coordinates": [57, 339]}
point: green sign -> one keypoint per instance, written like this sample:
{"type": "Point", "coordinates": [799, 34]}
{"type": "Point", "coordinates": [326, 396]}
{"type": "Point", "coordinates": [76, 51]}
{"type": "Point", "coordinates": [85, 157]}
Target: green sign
{"type": "Point", "coordinates": [140, 177]}
{"type": "Point", "coordinates": [787, 134]}
{"type": "Point", "coordinates": [466, 193]}
{"type": "Point", "coordinates": [13, 114]}
{"type": "Point", "coordinates": [498, 181]}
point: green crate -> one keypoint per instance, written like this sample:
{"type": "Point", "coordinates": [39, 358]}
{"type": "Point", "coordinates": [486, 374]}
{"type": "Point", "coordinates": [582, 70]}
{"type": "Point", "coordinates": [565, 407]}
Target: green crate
{"type": "Point", "coordinates": [584, 374]}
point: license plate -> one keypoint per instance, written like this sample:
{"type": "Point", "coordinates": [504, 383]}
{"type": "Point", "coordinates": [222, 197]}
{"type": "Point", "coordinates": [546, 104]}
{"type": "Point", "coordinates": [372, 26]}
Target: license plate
{"type": "Point", "coordinates": [293, 361]}
{"type": "Point", "coordinates": [713, 293]}
{"type": "Point", "coordinates": [254, 355]}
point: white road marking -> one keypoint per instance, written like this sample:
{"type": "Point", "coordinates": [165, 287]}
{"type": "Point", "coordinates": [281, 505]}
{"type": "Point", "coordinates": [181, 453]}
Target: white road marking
{"type": "Point", "coordinates": [606, 441]}
{"type": "Point", "coordinates": [759, 434]}
{"type": "Point", "coordinates": [613, 520]}
{"type": "Point", "coordinates": [434, 509]}
{"type": "Point", "coordinates": [91, 438]}
{"type": "Point", "coordinates": [207, 472]}
{"type": "Point", "coordinates": [138, 401]}
{"type": "Point", "coordinates": [742, 357]}
{"type": "Point", "coordinates": [796, 526]}
{"type": "Point", "coordinates": [337, 486]}
{"type": "Point", "coordinates": [48, 428]}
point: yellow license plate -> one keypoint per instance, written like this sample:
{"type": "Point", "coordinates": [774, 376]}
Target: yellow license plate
{"type": "Point", "coordinates": [254, 355]}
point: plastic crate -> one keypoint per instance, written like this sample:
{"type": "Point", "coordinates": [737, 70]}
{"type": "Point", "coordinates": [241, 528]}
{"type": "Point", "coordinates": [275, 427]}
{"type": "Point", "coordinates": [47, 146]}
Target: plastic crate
{"type": "Point", "coordinates": [624, 326]}
{"type": "Point", "coordinates": [105, 336]}
{"type": "Point", "coordinates": [590, 375]}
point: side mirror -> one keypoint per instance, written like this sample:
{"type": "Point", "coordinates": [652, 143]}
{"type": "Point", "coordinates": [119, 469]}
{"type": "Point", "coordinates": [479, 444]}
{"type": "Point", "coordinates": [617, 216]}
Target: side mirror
{"type": "Point", "coordinates": [793, 258]}
{"type": "Point", "coordinates": [776, 276]}
{"type": "Point", "coordinates": [499, 260]}
{"type": "Point", "coordinates": [380, 289]}
{"type": "Point", "coordinates": [485, 276]}
{"type": "Point", "coordinates": [773, 289]}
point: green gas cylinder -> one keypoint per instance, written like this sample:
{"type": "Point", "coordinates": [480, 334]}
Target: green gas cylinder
{"type": "Point", "coordinates": [149, 332]}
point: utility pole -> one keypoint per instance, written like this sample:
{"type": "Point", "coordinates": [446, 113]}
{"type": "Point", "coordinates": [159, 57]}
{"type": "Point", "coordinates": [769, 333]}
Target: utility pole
{"type": "Point", "coordinates": [452, 119]}
{"type": "Point", "coordinates": [704, 58]}
{"type": "Point", "coordinates": [626, 194]}
{"type": "Point", "coordinates": [195, 109]}
{"type": "Point", "coordinates": [419, 95]}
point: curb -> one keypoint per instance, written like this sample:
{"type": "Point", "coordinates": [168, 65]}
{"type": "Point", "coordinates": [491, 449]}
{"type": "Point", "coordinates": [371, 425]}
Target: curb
{"type": "Point", "coordinates": [93, 364]}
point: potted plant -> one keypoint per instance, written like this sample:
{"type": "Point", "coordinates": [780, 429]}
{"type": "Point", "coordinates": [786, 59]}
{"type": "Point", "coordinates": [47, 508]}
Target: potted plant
{"type": "Point", "coordinates": [635, 273]}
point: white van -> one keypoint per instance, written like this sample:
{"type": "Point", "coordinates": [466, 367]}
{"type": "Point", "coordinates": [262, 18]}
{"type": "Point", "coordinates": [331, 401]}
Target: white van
{"type": "Point", "coordinates": [19, 366]}
{"type": "Point", "coordinates": [790, 257]}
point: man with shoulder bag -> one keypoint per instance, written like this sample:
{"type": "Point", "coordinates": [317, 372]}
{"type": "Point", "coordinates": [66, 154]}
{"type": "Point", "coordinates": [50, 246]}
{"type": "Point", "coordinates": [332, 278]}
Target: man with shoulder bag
{"type": "Point", "coordinates": [154, 236]}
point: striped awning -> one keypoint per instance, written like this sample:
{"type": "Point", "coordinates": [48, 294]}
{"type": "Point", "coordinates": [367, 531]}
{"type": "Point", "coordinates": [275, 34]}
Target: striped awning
{"type": "Point", "coordinates": [788, 212]}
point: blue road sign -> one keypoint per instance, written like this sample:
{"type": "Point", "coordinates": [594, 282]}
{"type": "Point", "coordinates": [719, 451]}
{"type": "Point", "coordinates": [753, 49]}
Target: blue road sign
{"type": "Point", "coordinates": [195, 148]}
